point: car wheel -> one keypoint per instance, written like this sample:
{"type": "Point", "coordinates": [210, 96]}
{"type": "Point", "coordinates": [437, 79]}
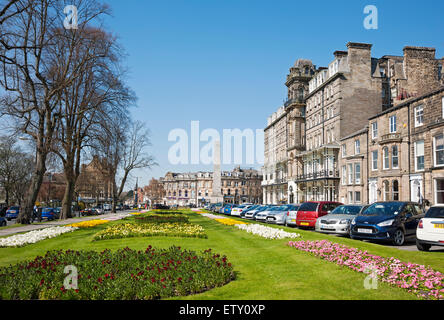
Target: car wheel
{"type": "Point", "coordinates": [422, 246]}
{"type": "Point", "coordinates": [4, 224]}
{"type": "Point", "coordinates": [398, 238]}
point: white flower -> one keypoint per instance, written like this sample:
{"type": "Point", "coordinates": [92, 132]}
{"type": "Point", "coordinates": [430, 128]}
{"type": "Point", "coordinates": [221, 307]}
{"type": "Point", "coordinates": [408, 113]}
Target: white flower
{"type": "Point", "coordinates": [267, 232]}
{"type": "Point", "coordinates": [34, 236]}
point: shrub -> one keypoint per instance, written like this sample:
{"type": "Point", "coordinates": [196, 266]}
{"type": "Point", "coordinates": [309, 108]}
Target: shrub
{"type": "Point", "coordinates": [120, 275]}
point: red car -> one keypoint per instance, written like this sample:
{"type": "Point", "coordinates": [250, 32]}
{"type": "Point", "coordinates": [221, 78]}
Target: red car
{"type": "Point", "coordinates": [309, 212]}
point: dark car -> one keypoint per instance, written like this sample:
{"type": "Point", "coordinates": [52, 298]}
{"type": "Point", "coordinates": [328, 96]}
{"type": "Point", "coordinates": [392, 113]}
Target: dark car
{"type": "Point", "coordinates": [12, 213]}
{"type": "Point", "coordinates": [388, 221]}
{"type": "Point", "coordinates": [309, 212]}
{"type": "Point", "coordinates": [87, 212]}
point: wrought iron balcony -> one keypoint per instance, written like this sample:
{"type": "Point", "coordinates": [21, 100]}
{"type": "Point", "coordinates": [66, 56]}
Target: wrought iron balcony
{"type": "Point", "coordinates": [323, 174]}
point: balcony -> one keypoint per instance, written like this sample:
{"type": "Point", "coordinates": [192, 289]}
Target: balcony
{"type": "Point", "coordinates": [389, 138]}
{"type": "Point", "coordinates": [323, 174]}
{"type": "Point", "coordinates": [298, 100]}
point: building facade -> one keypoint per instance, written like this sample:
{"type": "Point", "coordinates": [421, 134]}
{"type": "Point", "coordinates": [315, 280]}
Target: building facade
{"type": "Point", "coordinates": [237, 186]}
{"type": "Point", "coordinates": [363, 130]}
{"type": "Point", "coordinates": [340, 100]}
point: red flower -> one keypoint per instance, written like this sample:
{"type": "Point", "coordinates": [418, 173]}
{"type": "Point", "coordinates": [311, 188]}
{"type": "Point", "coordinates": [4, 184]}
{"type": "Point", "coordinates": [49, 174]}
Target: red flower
{"type": "Point", "coordinates": [100, 280]}
{"type": "Point", "coordinates": [42, 281]}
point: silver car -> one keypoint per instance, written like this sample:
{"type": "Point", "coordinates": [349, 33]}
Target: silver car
{"type": "Point", "coordinates": [338, 221]}
{"type": "Point", "coordinates": [251, 214]}
{"type": "Point", "coordinates": [262, 215]}
{"type": "Point", "coordinates": [292, 215]}
{"type": "Point", "coordinates": [279, 214]}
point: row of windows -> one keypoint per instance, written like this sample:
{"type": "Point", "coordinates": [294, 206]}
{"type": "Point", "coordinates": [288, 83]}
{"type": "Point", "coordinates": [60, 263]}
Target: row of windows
{"type": "Point", "coordinates": [418, 113]}
{"type": "Point", "coordinates": [390, 157]}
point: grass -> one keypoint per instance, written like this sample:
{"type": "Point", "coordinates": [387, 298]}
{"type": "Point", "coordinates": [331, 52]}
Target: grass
{"type": "Point", "coordinates": [265, 269]}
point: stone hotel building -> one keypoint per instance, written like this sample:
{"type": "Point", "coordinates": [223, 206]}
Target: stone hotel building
{"type": "Point", "coordinates": [367, 129]}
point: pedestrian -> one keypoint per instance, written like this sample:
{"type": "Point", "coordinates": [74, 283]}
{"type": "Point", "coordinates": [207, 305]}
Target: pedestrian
{"type": "Point", "coordinates": [34, 213]}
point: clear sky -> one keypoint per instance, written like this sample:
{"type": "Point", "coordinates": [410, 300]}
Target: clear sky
{"type": "Point", "coordinates": [224, 62]}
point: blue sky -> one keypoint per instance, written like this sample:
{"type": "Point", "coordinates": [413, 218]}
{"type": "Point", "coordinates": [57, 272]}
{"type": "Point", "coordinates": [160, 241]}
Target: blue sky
{"type": "Point", "coordinates": [224, 62]}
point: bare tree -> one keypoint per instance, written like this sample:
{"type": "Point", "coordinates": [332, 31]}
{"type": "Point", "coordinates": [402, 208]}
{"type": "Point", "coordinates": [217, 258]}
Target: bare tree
{"type": "Point", "coordinates": [135, 155]}
{"type": "Point", "coordinates": [15, 168]}
{"type": "Point", "coordinates": [96, 92]}
{"type": "Point", "coordinates": [34, 72]}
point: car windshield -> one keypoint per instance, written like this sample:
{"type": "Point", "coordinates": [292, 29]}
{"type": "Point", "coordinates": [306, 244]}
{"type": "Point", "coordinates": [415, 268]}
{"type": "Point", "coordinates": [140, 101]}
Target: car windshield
{"type": "Point", "coordinates": [435, 212]}
{"type": "Point", "coordinates": [14, 208]}
{"type": "Point", "coordinates": [284, 208]}
{"type": "Point", "coordinates": [384, 209]}
{"type": "Point", "coordinates": [309, 206]}
{"type": "Point", "coordinates": [352, 210]}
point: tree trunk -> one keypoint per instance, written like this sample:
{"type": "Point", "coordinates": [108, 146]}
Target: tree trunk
{"type": "Point", "coordinates": [25, 214]}
{"type": "Point", "coordinates": [67, 200]}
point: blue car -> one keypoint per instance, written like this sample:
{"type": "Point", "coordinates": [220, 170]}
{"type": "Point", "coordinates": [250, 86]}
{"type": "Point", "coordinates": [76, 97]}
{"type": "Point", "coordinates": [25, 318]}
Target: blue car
{"type": "Point", "coordinates": [228, 208]}
{"type": "Point", "coordinates": [388, 221]}
{"type": "Point", "coordinates": [12, 213]}
{"type": "Point", "coordinates": [49, 213]}
{"type": "Point", "coordinates": [3, 222]}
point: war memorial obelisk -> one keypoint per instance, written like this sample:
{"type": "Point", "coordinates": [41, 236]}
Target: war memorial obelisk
{"type": "Point", "coordinates": [216, 196]}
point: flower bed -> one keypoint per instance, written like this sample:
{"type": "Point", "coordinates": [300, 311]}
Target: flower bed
{"type": "Point", "coordinates": [118, 275]}
{"type": "Point", "coordinates": [19, 240]}
{"type": "Point", "coordinates": [88, 224]}
{"type": "Point", "coordinates": [256, 229]}
{"type": "Point", "coordinates": [268, 232]}
{"type": "Point", "coordinates": [229, 222]}
{"type": "Point", "coordinates": [162, 219]}
{"type": "Point", "coordinates": [417, 279]}
{"type": "Point", "coordinates": [168, 229]}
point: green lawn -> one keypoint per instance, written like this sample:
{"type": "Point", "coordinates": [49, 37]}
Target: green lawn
{"type": "Point", "coordinates": [266, 269]}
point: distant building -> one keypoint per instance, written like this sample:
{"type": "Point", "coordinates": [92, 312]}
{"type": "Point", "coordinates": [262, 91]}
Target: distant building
{"type": "Point", "coordinates": [95, 182]}
{"type": "Point", "coordinates": [196, 188]}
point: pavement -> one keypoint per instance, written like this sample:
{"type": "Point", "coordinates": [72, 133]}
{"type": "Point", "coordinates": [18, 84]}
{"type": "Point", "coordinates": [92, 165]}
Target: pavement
{"type": "Point", "coordinates": [55, 223]}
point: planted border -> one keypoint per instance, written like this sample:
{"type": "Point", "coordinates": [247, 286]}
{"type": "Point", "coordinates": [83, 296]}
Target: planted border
{"type": "Point", "coordinates": [418, 279]}
{"type": "Point", "coordinates": [116, 275]}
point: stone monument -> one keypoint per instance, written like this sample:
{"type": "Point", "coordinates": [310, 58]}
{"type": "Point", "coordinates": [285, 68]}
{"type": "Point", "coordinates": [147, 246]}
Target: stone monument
{"type": "Point", "coordinates": [216, 196]}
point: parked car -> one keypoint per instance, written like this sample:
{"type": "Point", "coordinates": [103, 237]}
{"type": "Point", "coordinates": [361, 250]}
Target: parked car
{"type": "Point", "coordinates": [310, 211]}
{"type": "Point", "coordinates": [237, 211]}
{"type": "Point", "coordinates": [3, 222]}
{"type": "Point", "coordinates": [217, 207]}
{"type": "Point", "coordinates": [49, 214]}
{"type": "Point", "coordinates": [228, 208]}
{"type": "Point", "coordinates": [390, 221]}
{"type": "Point", "coordinates": [338, 221]}
{"type": "Point", "coordinates": [244, 212]}
{"type": "Point", "coordinates": [99, 210]}
{"type": "Point", "coordinates": [292, 215]}
{"type": "Point", "coordinates": [12, 213]}
{"type": "Point", "coordinates": [251, 214]}
{"type": "Point", "coordinates": [86, 212]}
{"type": "Point", "coordinates": [279, 214]}
{"type": "Point", "coordinates": [262, 215]}
{"type": "Point", "coordinates": [430, 230]}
